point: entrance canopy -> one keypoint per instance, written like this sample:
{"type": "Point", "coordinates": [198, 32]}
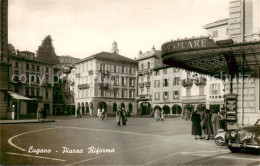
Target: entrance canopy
{"type": "Point", "coordinates": [205, 56]}
{"type": "Point", "coordinates": [17, 96]}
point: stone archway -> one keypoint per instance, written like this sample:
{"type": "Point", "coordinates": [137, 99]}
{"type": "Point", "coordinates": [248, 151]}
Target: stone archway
{"type": "Point", "coordinates": [87, 108]}
{"type": "Point", "coordinates": [166, 109]}
{"type": "Point", "coordinates": [176, 110]}
{"type": "Point", "coordinates": [145, 108]}
{"type": "Point", "coordinates": [82, 109]}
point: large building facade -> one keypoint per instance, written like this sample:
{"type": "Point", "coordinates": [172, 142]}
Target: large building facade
{"type": "Point", "coordinates": [31, 78]}
{"type": "Point", "coordinates": [106, 81]}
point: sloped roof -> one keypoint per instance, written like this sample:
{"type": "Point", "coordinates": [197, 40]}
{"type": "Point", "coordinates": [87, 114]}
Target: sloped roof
{"type": "Point", "coordinates": [110, 57]}
{"type": "Point", "coordinates": [148, 54]}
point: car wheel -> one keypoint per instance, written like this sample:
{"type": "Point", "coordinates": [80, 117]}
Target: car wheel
{"type": "Point", "coordinates": [220, 141]}
{"type": "Point", "coordinates": [234, 149]}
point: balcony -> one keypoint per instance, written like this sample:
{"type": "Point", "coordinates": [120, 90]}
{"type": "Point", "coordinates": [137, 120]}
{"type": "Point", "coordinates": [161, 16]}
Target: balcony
{"type": "Point", "coordinates": [83, 86]}
{"type": "Point", "coordinates": [144, 97]}
{"type": "Point", "coordinates": [194, 99]}
{"type": "Point", "coordinates": [90, 72]}
{"type": "Point", "coordinates": [187, 83]}
{"type": "Point", "coordinates": [147, 84]}
{"type": "Point", "coordinates": [144, 71]}
{"type": "Point", "coordinates": [141, 85]}
{"type": "Point", "coordinates": [103, 85]}
{"type": "Point", "coordinates": [201, 81]}
{"type": "Point", "coordinates": [103, 72]}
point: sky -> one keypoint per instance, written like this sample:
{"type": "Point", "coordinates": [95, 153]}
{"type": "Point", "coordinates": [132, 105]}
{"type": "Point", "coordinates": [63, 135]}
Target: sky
{"type": "Point", "coordinates": [81, 28]}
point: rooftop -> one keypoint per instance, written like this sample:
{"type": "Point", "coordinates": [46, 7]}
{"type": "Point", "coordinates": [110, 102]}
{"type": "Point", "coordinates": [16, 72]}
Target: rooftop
{"type": "Point", "coordinates": [109, 56]}
{"type": "Point", "coordinates": [216, 23]}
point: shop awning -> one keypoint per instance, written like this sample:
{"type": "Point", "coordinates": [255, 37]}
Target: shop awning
{"type": "Point", "coordinates": [17, 96]}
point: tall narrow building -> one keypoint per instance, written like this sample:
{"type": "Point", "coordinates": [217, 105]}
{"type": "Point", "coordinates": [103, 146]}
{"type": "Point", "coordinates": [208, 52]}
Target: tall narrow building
{"type": "Point", "coordinates": [3, 59]}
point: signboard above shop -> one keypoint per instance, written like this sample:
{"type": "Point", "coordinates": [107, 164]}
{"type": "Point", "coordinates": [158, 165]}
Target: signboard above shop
{"type": "Point", "coordinates": [188, 44]}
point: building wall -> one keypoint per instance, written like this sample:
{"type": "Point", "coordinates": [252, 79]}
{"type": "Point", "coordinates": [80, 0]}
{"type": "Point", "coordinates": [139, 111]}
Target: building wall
{"type": "Point", "coordinates": [89, 73]}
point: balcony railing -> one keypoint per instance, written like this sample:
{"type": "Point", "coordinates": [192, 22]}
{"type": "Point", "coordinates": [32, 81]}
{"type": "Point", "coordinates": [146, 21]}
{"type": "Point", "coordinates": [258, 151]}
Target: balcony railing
{"type": "Point", "coordinates": [142, 97]}
{"type": "Point", "coordinates": [141, 85]}
{"type": "Point", "coordinates": [104, 72]}
{"type": "Point", "coordinates": [200, 81]}
{"type": "Point", "coordinates": [103, 85]}
{"type": "Point", "coordinates": [83, 86]}
{"type": "Point", "coordinates": [144, 71]}
{"type": "Point", "coordinates": [187, 83]}
{"type": "Point", "coordinates": [147, 84]}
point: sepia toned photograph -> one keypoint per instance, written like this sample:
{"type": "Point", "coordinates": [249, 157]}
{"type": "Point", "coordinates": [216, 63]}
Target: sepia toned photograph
{"type": "Point", "coordinates": [120, 82]}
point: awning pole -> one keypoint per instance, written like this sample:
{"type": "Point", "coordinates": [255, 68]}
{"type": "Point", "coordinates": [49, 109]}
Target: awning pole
{"type": "Point", "coordinates": [18, 108]}
{"type": "Point", "coordinates": [242, 89]}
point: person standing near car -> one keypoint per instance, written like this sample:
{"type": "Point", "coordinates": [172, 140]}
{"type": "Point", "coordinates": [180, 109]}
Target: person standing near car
{"type": "Point", "coordinates": [196, 127]}
{"type": "Point", "coordinates": [215, 122]}
{"type": "Point", "coordinates": [206, 124]}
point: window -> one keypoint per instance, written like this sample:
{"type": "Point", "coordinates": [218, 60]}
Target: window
{"type": "Point", "coordinates": [142, 91]}
{"type": "Point", "coordinates": [123, 79]}
{"type": "Point", "coordinates": [165, 95]}
{"type": "Point", "coordinates": [201, 90]}
{"type": "Point", "coordinates": [215, 89]}
{"type": "Point", "coordinates": [142, 66]}
{"type": "Point", "coordinates": [175, 94]}
{"type": "Point", "coordinates": [123, 69]}
{"type": "Point", "coordinates": [131, 94]}
{"type": "Point", "coordinates": [33, 68]}
{"type": "Point", "coordinates": [130, 70]}
{"type": "Point", "coordinates": [32, 91]}
{"type": "Point", "coordinates": [157, 96]}
{"type": "Point", "coordinates": [16, 65]}
{"type": "Point", "coordinates": [124, 93]}
{"type": "Point", "coordinates": [27, 66]}
{"type": "Point", "coordinates": [46, 93]}
{"type": "Point", "coordinates": [38, 92]}
{"type": "Point", "coordinates": [164, 71]}
{"type": "Point", "coordinates": [27, 91]}
{"type": "Point", "coordinates": [46, 79]}
{"type": "Point", "coordinates": [38, 68]}
{"type": "Point", "coordinates": [176, 81]}
{"type": "Point", "coordinates": [47, 70]}
{"type": "Point", "coordinates": [116, 93]}
{"type": "Point", "coordinates": [165, 82]}
{"type": "Point", "coordinates": [188, 91]}
{"type": "Point", "coordinates": [156, 83]}
{"type": "Point", "coordinates": [215, 33]}
{"type": "Point", "coordinates": [148, 65]}
{"type": "Point", "coordinates": [156, 73]}
{"type": "Point", "coordinates": [116, 80]}
{"type": "Point", "coordinates": [131, 82]}
{"type": "Point", "coordinates": [148, 91]}
{"type": "Point", "coordinates": [103, 93]}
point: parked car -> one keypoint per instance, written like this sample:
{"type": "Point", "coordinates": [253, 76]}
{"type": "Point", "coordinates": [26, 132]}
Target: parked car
{"type": "Point", "coordinates": [220, 137]}
{"type": "Point", "coordinates": [244, 138]}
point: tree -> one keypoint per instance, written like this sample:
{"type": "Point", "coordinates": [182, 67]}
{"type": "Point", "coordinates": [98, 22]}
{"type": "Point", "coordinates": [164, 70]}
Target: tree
{"type": "Point", "coordinates": [46, 51]}
{"type": "Point", "coordinates": [11, 49]}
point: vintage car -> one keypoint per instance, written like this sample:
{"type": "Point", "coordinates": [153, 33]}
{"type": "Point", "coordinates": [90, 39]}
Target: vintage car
{"type": "Point", "coordinates": [244, 138]}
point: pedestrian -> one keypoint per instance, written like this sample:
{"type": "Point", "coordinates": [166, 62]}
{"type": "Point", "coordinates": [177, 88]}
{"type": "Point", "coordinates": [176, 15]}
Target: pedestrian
{"type": "Point", "coordinates": [162, 115]}
{"type": "Point", "coordinates": [39, 113]}
{"type": "Point", "coordinates": [196, 127]}
{"type": "Point", "coordinates": [44, 114]}
{"type": "Point", "coordinates": [104, 114]}
{"type": "Point", "coordinates": [124, 117]}
{"type": "Point", "coordinates": [99, 113]}
{"type": "Point", "coordinates": [222, 120]}
{"type": "Point", "coordinates": [157, 114]}
{"type": "Point", "coordinates": [78, 112]}
{"type": "Point", "coordinates": [206, 124]}
{"type": "Point", "coordinates": [215, 122]}
{"type": "Point", "coordinates": [187, 114]}
{"type": "Point", "coordinates": [118, 116]}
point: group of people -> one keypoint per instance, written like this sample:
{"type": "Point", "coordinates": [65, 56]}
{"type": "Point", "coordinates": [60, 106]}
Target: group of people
{"type": "Point", "coordinates": [42, 113]}
{"type": "Point", "coordinates": [209, 122]}
{"type": "Point", "coordinates": [121, 116]}
{"type": "Point", "coordinates": [159, 115]}
{"type": "Point", "coordinates": [102, 114]}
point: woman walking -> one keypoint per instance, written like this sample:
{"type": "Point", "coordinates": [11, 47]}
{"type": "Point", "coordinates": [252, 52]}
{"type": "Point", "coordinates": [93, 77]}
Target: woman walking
{"type": "Point", "coordinates": [196, 127]}
{"type": "Point", "coordinates": [206, 124]}
{"type": "Point", "coordinates": [124, 117]}
{"type": "Point", "coordinates": [215, 123]}
{"type": "Point", "coordinates": [162, 115]}
{"type": "Point", "coordinates": [118, 116]}
{"type": "Point", "coordinates": [157, 114]}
